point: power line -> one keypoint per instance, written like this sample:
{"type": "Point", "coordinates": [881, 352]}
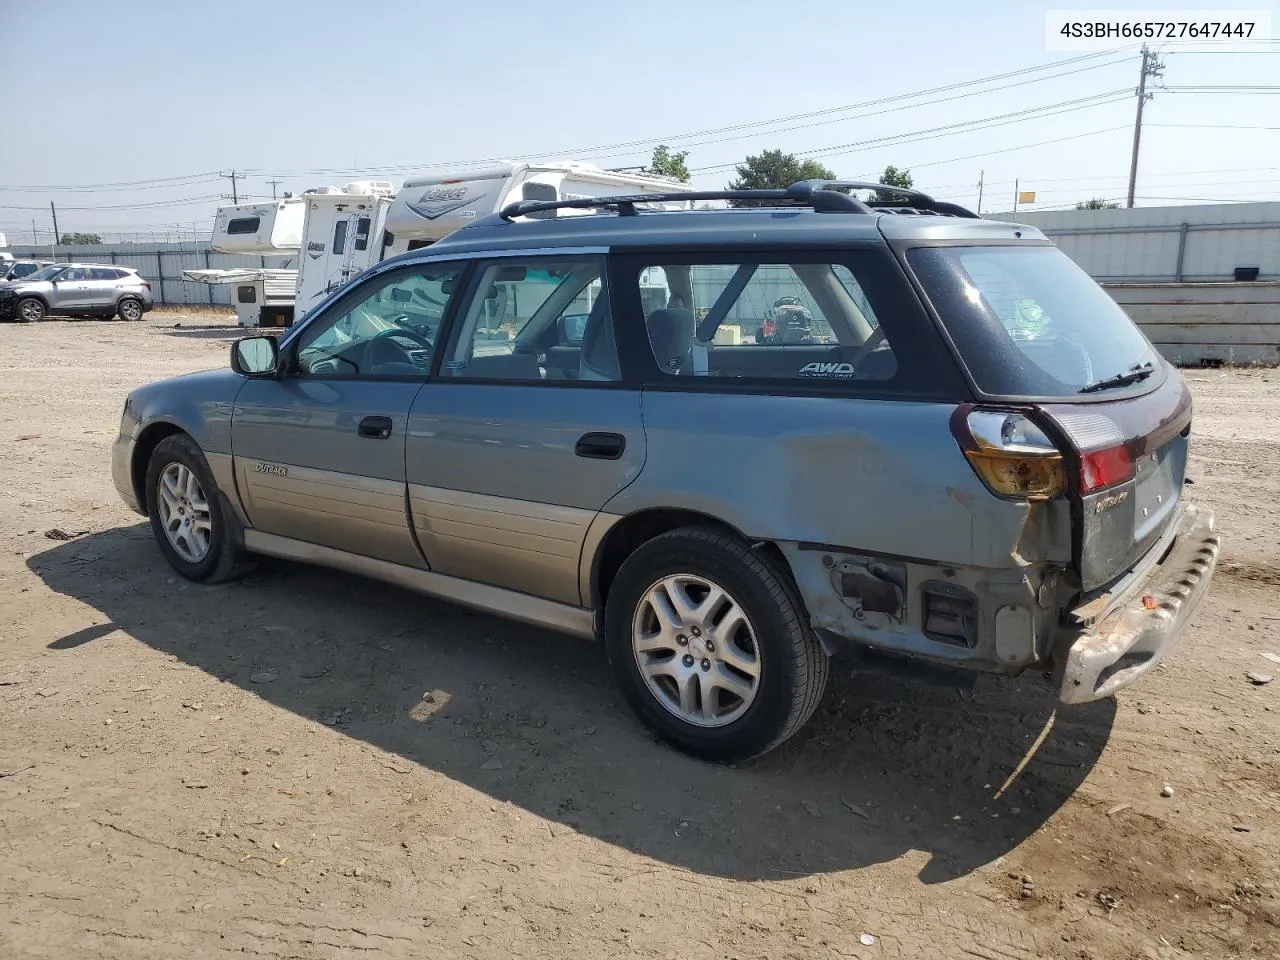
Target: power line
{"type": "Point", "coordinates": [122, 184]}
{"type": "Point", "coordinates": [597, 150]}
{"type": "Point", "coordinates": [1003, 119]}
{"type": "Point", "coordinates": [127, 206]}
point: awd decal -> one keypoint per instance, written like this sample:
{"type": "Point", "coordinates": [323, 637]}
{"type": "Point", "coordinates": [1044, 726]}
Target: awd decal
{"type": "Point", "coordinates": [817, 369]}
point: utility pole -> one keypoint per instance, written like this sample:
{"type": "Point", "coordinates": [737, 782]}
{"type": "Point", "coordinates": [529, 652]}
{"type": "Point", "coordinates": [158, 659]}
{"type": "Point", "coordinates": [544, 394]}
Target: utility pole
{"type": "Point", "coordinates": [233, 177]}
{"type": "Point", "coordinates": [54, 210]}
{"type": "Point", "coordinates": [981, 176]}
{"type": "Point", "coordinates": [1151, 67]}
{"type": "Point", "coordinates": [1015, 195]}
{"type": "Point", "coordinates": [274, 184]}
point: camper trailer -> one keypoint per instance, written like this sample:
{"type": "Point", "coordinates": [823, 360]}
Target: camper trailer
{"type": "Point", "coordinates": [263, 229]}
{"type": "Point", "coordinates": [342, 234]}
{"type": "Point", "coordinates": [330, 231]}
{"type": "Point", "coordinates": [428, 208]}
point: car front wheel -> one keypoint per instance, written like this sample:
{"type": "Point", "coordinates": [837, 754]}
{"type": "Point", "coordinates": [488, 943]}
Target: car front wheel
{"type": "Point", "coordinates": [710, 645]}
{"type": "Point", "coordinates": [187, 516]}
{"type": "Point", "coordinates": [129, 309]}
{"type": "Point", "coordinates": [31, 310]}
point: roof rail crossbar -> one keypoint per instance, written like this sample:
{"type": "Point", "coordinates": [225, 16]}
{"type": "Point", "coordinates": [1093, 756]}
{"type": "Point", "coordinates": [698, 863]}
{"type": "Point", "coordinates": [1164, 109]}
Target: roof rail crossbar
{"type": "Point", "coordinates": [823, 196]}
{"type": "Point", "coordinates": [913, 198]}
{"type": "Point", "coordinates": [626, 205]}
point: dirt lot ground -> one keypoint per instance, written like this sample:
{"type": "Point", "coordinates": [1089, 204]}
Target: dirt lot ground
{"type": "Point", "coordinates": [252, 769]}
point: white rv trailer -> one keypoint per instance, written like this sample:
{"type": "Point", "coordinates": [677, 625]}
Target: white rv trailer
{"type": "Point", "coordinates": [270, 229]}
{"type": "Point", "coordinates": [342, 235]}
{"type": "Point", "coordinates": [331, 231]}
{"type": "Point", "coordinates": [428, 208]}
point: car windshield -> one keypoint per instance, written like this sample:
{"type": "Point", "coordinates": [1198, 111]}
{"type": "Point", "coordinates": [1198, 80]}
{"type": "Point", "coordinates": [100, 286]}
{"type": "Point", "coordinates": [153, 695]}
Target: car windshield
{"type": "Point", "coordinates": [1029, 322]}
{"type": "Point", "coordinates": [46, 273]}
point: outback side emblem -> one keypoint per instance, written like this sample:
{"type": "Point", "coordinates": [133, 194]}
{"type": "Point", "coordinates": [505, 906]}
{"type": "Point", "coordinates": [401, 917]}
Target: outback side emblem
{"type": "Point", "coordinates": [1106, 503]}
{"type": "Point", "coordinates": [275, 469]}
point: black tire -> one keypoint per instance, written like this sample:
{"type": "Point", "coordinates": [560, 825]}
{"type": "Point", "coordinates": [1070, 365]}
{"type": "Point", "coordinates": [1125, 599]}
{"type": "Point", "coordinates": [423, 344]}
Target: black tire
{"type": "Point", "coordinates": [129, 309]}
{"type": "Point", "coordinates": [224, 559]}
{"type": "Point", "coordinates": [30, 310]}
{"type": "Point", "coordinates": [793, 665]}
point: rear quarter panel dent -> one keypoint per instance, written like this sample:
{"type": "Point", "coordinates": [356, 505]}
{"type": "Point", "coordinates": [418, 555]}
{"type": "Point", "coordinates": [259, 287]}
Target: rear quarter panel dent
{"type": "Point", "coordinates": [879, 477]}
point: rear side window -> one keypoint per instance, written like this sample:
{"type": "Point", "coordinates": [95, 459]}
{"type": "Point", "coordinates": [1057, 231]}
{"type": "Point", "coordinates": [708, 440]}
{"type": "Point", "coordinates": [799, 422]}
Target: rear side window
{"type": "Point", "coordinates": [764, 319]}
{"type": "Point", "coordinates": [243, 225]}
{"type": "Point", "coordinates": [1027, 321]}
{"type": "Point", "coordinates": [101, 273]}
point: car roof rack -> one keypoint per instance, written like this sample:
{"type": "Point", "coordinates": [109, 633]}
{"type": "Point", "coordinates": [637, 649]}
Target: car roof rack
{"type": "Point", "coordinates": [915, 201]}
{"type": "Point", "coordinates": [823, 196]}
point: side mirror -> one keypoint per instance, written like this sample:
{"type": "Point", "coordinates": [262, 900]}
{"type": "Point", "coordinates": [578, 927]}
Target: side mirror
{"type": "Point", "coordinates": [572, 327]}
{"type": "Point", "coordinates": [255, 356]}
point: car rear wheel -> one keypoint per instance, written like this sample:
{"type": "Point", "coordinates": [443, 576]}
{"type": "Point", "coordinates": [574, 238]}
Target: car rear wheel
{"type": "Point", "coordinates": [710, 645]}
{"type": "Point", "coordinates": [187, 514]}
{"type": "Point", "coordinates": [31, 310]}
{"type": "Point", "coordinates": [129, 309]}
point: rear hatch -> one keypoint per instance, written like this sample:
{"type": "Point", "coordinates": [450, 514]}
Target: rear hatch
{"type": "Point", "coordinates": [1034, 330]}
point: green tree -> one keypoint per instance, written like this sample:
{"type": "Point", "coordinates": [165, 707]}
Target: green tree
{"type": "Point", "coordinates": [1097, 203]}
{"type": "Point", "coordinates": [668, 164]}
{"type": "Point", "coordinates": [774, 170]}
{"type": "Point", "coordinates": [894, 178]}
{"type": "Point", "coordinates": [80, 239]}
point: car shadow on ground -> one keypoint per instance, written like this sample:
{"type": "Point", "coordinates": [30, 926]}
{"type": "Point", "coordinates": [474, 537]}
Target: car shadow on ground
{"type": "Point", "coordinates": [530, 717]}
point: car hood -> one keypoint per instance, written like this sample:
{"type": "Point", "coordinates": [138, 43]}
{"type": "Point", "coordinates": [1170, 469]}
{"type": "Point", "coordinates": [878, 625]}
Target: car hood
{"type": "Point", "coordinates": [25, 286]}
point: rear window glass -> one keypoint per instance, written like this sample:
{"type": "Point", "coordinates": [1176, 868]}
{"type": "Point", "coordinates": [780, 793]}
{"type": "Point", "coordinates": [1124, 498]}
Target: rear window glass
{"type": "Point", "coordinates": [748, 320]}
{"type": "Point", "coordinates": [1027, 321]}
{"type": "Point", "coordinates": [243, 225]}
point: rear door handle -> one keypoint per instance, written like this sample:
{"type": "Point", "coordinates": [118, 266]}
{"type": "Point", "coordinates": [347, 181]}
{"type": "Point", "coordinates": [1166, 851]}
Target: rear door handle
{"type": "Point", "coordinates": [600, 446]}
{"type": "Point", "coordinates": [375, 428]}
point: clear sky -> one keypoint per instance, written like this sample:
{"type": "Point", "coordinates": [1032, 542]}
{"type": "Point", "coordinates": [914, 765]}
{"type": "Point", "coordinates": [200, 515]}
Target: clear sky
{"type": "Point", "coordinates": [324, 91]}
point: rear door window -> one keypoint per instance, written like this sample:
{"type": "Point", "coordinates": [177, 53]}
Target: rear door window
{"type": "Point", "coordinates": [1029, 322]}
{"type": "Point", "coordinates": [769, 319]}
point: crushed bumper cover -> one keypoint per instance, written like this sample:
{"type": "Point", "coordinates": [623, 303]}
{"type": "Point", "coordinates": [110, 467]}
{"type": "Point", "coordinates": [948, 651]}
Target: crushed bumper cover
{"type": "Point", "coordinates": [1120, 636]}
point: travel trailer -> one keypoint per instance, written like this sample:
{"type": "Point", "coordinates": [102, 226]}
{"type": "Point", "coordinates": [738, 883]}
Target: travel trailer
{"type": "Point", "coordinates": [336, 232]}
{"type": "Point", "coordinates": [271, 229]}
{"type": "Point", "coordinates": [330, 232]}
{"type": "Point", "coordinates": [342, 235]}
{"type": "Point", "coordinates": [261, 296]}
{"type": "Point", "coordinates": [428, 208]}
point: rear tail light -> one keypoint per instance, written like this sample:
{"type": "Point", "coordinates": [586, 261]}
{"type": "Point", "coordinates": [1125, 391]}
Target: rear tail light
{"type": "Point", "coordinates": [147, 284]}
{"type": "Point", "coordinates": [1105, 459]}
{"type": "Point", "coordinates": [1010, 454]}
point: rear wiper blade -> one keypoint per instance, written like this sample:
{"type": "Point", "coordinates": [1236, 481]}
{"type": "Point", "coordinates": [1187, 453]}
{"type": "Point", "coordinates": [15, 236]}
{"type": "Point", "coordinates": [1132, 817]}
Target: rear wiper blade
{"type": "Point", "coordinates": [1135, 374]}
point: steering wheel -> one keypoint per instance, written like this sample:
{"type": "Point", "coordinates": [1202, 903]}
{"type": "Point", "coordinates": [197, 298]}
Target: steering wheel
{"type": "Point", "coordinates": [386, 336]}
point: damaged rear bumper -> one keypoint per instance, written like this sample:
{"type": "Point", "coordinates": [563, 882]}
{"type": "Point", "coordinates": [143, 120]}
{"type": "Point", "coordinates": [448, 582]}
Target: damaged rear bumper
{"type": "Point", "coordinates": [1120, 636]}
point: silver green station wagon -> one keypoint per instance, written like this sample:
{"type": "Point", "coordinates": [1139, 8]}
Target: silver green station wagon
{"type": "Point", "coordinates": [966, 458]}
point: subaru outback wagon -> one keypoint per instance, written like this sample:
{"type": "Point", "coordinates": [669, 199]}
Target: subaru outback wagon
{"type": "Point", "coordinates": [945, 483]}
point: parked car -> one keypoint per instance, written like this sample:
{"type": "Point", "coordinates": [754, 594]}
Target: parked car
{"type": "Point", "coordinates": [76, 289]}
{"type": "Point", "coordinates": [932, 489]}
{"type": "Point", "coordinates": [20, 269]}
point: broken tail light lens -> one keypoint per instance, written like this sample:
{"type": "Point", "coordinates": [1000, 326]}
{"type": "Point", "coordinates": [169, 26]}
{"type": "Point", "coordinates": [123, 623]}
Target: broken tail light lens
{"type": "Point", "coordinates": [1011, 455]}
{"type": "Point", "coordinates": [1105, 459]}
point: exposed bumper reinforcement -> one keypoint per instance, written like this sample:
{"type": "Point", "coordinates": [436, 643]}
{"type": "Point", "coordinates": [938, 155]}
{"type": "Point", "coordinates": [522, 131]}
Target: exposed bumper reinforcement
{"type": "Point", "coordinates": [1139, 627]}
